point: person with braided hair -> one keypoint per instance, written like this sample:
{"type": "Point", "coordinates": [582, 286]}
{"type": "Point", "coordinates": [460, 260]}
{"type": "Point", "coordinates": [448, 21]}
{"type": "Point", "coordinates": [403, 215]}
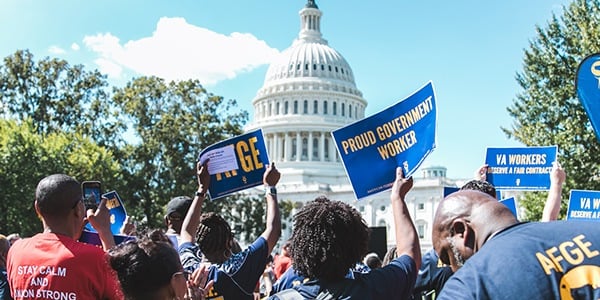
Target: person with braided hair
{"type": "Point", "coordinates": [207, 240]}
{"type": "Point", "coordinates": [214, 232]}
{"type": "Point", "coordinates": [329, 237]}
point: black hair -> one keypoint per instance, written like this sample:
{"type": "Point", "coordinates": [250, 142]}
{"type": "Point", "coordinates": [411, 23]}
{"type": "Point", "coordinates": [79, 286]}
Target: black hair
{"type": "Point", "coordinates": [214, 237]}
{"type": "Point", "coordinates": [56, 195]}
{"type": "Point", "coordinates": [373, 261]}
{"type": "Point", "coordinates": [329, 238]}
{"type": "Point", "coordinates": [145, 265]}
{"type": "Point", "coordinates": [480, 185]}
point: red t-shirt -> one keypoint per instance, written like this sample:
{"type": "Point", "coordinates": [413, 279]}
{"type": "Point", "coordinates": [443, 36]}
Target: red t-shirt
{"type": "Point", "coordinates": [52, 266]}
{"type": "Point", "coordinates": [281, 264]}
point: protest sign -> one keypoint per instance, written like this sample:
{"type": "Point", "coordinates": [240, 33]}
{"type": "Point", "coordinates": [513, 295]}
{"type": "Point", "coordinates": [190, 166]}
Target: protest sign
{"type": "Point", "coordinates": [511, 203]}
{"type": "Point", "coordinates": [526, 168]}
{"type": "Point", "coordinates": [92, 237]}
{"type": "Point", "coordinates": [399, 136]}
{"type": "Point", "coordinates": [584, 205]}
{"type": "Point", "coordinates": [587, 85]}
{"type": "Point", "coordinates": [236, 164]}
{"type": "Point", "coordinates": [116, 210]}
{"type": "Point", "coordinates": [449, 190]}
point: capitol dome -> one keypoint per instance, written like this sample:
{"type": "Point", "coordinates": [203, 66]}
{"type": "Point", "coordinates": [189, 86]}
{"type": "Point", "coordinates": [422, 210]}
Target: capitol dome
{"type": "Point", "coordinates": [308, 92]}
{"type": "Point", "coordinates": [310, 56]}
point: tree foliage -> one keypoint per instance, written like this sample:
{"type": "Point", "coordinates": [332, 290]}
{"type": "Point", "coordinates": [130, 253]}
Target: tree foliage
{"type": "Point", "coordinates": [170, 124]}
{"type": "Point", "coordinates": [141, 140]}
{"type": "Point", "coordinates": [247, 214]}
{"type": "Point", "coordinates": [58, 97]}
{"type": "Point", "coordinates": [547, 111]}
{"type": "Point", "coordinates": [27, 156]}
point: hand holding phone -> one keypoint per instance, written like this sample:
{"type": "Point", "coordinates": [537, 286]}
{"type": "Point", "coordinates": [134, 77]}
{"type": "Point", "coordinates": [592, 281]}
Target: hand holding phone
{"type": "Point", "coordinates": [92, 191]}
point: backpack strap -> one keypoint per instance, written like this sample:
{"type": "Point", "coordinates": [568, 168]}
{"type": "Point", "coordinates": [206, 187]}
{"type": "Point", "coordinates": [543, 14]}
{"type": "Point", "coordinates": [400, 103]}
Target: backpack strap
{"type": "Point", "coordinates": [289, 294]}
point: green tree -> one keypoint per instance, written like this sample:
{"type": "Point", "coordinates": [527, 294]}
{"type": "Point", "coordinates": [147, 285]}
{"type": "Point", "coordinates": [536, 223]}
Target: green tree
{"type": "Point", "coordinates": [547, 111]}
{"type": "Point", "coordinates": [247, 214]}
{"type": "Point", "coordinates": [58, 97]}
{"type": "Point", "coordinates": [171, 124]}
{"type": "Point", "coordinates": [27, 156]}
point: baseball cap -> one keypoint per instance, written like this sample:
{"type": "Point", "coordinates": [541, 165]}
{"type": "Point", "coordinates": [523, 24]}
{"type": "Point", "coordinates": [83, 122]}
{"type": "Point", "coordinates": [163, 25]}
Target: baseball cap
{"type": "Point", "coordinates": [177, 208]}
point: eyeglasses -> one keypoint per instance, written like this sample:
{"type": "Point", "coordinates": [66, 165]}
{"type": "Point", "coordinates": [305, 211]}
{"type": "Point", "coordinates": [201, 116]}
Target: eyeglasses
{"type": "Point", "coordinates": [186, 274]}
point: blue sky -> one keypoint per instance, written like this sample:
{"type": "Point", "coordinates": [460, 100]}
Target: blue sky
{"type": "Point", "coordinates": [471, 50]}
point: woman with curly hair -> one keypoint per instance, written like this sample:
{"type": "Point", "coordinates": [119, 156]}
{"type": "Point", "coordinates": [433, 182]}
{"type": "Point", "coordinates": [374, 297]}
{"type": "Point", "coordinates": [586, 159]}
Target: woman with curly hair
{"type": "Point", "coordinates": [329, 237]}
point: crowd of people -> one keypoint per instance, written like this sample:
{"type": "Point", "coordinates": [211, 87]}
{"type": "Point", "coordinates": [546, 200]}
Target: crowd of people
{"type": "Point", "coordinates": [480, 251]}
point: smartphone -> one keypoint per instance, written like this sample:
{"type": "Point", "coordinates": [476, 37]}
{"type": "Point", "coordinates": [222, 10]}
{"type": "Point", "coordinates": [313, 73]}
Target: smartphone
{"type": "Point", "coordinates": [92, 191]}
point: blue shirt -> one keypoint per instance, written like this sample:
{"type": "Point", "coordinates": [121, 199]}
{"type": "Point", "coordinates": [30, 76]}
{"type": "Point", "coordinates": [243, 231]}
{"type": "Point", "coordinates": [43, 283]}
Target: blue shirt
{"type": "Point", "coordinates": [393, 281]}
{"type": "Point", "coordinates": [290, 278]}
{"type": "Point", "coordinates": [553, 260]}
{"type": "Point", "coordinates": [4, 288]}
{"type": "Point", "coordinates": [237, 277]}
{"type": "Point", "coordinates": [432, 275]}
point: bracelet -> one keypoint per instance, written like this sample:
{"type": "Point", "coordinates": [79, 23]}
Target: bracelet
{"type": "Point", "coordinates": [270, 190]}
{"type": "Point", "coordinates": [200, 194]}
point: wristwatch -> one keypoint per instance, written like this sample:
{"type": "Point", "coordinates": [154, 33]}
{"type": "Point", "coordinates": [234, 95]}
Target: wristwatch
{"type": "Point", "coordinates": [270, 190]}
{"type": "Point", "coordinates": [200, 194]}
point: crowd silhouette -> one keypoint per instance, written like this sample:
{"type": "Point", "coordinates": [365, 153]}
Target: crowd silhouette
{"type": "Point", "coordinates": [477, 242]}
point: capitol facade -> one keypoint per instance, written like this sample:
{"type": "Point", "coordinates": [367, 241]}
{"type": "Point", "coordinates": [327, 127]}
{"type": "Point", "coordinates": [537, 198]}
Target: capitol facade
{"type": "Point", "coordinates": [309, 91]}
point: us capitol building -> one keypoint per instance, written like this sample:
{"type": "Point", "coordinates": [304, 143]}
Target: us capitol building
{"type": "Point", "coordinates": [309, 91]}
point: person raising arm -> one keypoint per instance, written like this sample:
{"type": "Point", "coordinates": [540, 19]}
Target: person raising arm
{"type": "Point", "coordinates": [234, 274]}
{"type": "Point", "coordinates": [552, 206]}
{"type": "Point", "coordinates": [407, 240]}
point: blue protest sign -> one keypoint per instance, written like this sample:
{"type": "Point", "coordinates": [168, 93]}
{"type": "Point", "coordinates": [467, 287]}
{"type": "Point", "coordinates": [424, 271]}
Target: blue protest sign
{"type": "Point", "coordinates": [117, 213]}
{"type": "Point", "coordinates": [526, 168]}
{"type": "Point", "coordinates": [584, 205]}
{"type": "Point", "coordinates": [449, 190]}
{"type": "Point", "coordinates": [401, 135]}
{"type": "Point", "coordinates": [511, 203]}
{"type": "Point", "coordinates": [236, 164]}
{"type": "Point", "coordinates": [587, 85]}
{"type": "Point", "coordinates": [92, 237]}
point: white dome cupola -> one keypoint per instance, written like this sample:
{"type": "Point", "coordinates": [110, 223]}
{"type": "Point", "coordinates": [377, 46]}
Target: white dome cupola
{"type": "Point", "coordinates": [311, 23]}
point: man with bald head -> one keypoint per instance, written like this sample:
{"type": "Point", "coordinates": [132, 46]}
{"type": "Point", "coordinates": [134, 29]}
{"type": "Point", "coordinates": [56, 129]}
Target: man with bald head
{"type": "Point", "coordinates": [496, 257]}
{"type": "Point", "coordinates": [53, 264]}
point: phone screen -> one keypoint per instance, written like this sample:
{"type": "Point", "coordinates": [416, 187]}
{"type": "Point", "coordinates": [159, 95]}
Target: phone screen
{"type": "Point", "coordinates": [91, 194]}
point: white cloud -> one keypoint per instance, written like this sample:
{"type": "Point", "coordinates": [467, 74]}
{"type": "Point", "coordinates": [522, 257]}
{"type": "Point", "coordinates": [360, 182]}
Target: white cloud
{"type": "Point", "coordinates": [56, 50]}
{"type": "Point", "coordinates": [109, 68]}
{"type": "Point", "coordinates": [75, 47]}
{"type": "Point", "coordinates": [179, 51]}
